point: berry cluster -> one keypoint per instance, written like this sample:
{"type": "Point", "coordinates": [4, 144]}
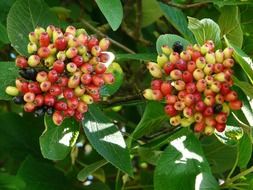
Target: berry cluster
{"type": "Point", "coordinates": [196, 85]}
{"type": "Point", "coordinates": [63, 74]}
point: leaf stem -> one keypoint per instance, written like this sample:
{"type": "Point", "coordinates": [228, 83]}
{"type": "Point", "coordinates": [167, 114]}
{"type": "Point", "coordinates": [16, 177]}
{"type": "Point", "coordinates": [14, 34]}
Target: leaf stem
{"type": "Point", "coordinates": [92, 28]}
{"type": "Point", "coordinates": [187, 6]}
{"type": "Point", "coordinates": [123, 99]}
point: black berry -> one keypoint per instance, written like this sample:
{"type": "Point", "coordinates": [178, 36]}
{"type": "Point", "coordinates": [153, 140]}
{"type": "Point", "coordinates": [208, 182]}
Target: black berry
{"type": "Point", "coordinates": [217, 108]}
{"type": "Point", "coordinates": [39, 112]}
{"type": "Point", "coordinates": [32, 73]}
{"type": "Point", "coordinates": [177, 47]}
{"type": "Point", "coordinates": [22, 73]}
{"type": "Point", "coordinates": [18, 100]}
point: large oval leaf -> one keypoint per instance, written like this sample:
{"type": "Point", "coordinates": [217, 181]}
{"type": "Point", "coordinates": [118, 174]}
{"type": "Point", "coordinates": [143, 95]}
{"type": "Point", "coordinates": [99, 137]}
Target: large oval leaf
{"type": "Point", "coordinates": [244, 86]}
{"type": "Point", "coordinates": [243, 59]}
{"type": "Point", "coordinates": [113, 12]}
{"type": "Point", "coordinates": [169, 40]}
{"type": "Point", "coordinates": [183, 166]}
{"type": "Point", "coordinates": [11, 182]}
{"type": "Point", "coordinates": [56, 141]}
{"type": "Point", "coordinates": [106, 138]}
{"type": "Point", "coordinates": [177, 18]}
{"type": "Point", "coordinates": [230, 25]}
{"type": "Point", "coordinates": [150, 12]}
{"type": "Point", "coordinates": [8, 74]}
{"type": "Point", "coordinates": [205, 29]}
{"type": "Point", "coordinates": [110, 89]}
{"type": "Point", "coordinates": [244, 151]}
{"type": "Point", "coordinates": [23, 18]}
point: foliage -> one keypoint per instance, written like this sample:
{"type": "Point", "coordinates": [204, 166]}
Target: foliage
{"type": "Point", "coordinates": [126, 142]}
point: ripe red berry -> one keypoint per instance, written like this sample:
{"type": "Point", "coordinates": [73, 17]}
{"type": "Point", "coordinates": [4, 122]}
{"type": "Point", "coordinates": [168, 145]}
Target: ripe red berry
{"type": "Point", "coordinates": [60, 106]}
{"type": "Point", "coordinates": [49, 100]}
{"type": "Point", "coordinates": [55, 90]}
{"type": "Point", "coordinates": [29, 97]}
{"type": "Point", "coordinates": [59, 66]}
{"type": "Point", "coordinates": [231, 96]}
{"type": "Point", "coordinates": [208, 111]}
{"type": "Point", "coordinates": [235, 105]}
{"type": "Point", "coordinates": [60, 43]}
{"type": "Point", "coordinates": [98, 80]}
{"type": "Point", "coordinates": [57, 118]}
{"type": "Point", "coordinates": [44, 39]}
{"type": "Point", "coordinates": [199, 127]}
{"type": "Point", "coordinates": [200, 106]}
{"type": "Point", "coordinates": [43, 52]}
{"type": "Point", "coordinates": [53, 76]}
{"type": "Point", "coordinates": [197, 96]}
{"type": "Point", "coordinates": [168, 67]}
{"type": "Point", "coordinates": [62, 81]}
{"type": "Point", "coordinates": [156, 84]}
{"type": "Point", "coordinates": [220, 127]}
{"type": "Point", "coordinates": [189, 99]}
{"type": "Point", "coordinates": [21, 62]}
{"type": "Point", "coordinates": [166, 88]}
{"type": "Point", "coordinates": [69, 112]}
{"type": "Point", "coordinates": [181, 95]}
{"type": "Point", "coordinates": [108, 78]}
{"type": "Point", "coordinates": [92, 42]}
{"type": "Point", "coordinates": [157, 94]}
{"type": "Point", "coordinates": [29, 107]}
{"type": "Point", "coordinates": [170, 110]}
{"type": "Point", "coordinates": [72, 103]}
{"type": "Point", "coordinates": [225, 89]}
{"type": "Point", "coordinates": [34, 87]}
{"type": "Point", "coordinates": [45, 86]}
{"type": "Point", "coordinates": [221, 118]}
{"type": "Point", "coordinates": [218, 67]}
{"type": "Point", "coordinates": [190, 87]}
{"type": "Point", "coordinates": [187, 77]}
{"type": "Point", "coordinates": [41, 76]}
{"type": "Point", "coordinates": [87, 68]}
{"type": "Point", "coordinates": [195, 55]}
{"type": "Point", "coordinates": [100, 68]}
{"type": "Point", "coordinates": [39, 100]}
{"type": "Point", "coordinates": [78, 60]}
{"type": "Point", "coordinates": [170, 99]}
{"type": "Point", "coordinates": [181, 65]}
{"type": "Point", "coordinates": [191, 66]}
{"type": "Point", "coordinates": [209, 120]}
{"type": "Point", "coordinates": [82, 107]}
{"type": "Point", "coordinates": [78, 116]}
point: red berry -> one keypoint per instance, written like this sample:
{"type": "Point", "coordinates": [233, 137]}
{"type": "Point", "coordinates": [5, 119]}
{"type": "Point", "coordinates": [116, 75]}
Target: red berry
{"type": "Point", "coordinates": [29, 97]}
{"type": "Point", "coordinates": [170, 110]}
{"type": "Point", "coordinates": [210, 121]}
{"type": "Point", "coordinates": [235, 105]}
{"type": "Point", "coordinates": [191, 66]}
{"type": "Point", "coordinates": [168, 67]}
{"type": "Point", "coordinates": [166, 88]}
{"type": "Point", "coordinates": [43, 52]}
{"type": "Point", "coordinates": [156, 84]}
{"type": "Point", "coordinates": [181, 65]}
{"type": "Point", "coordinates": [208, 111]}
{"type": "Point", "coordinates": [190, 87]}
{"type": "Point", "coordinates": [55, 90]}
{"type": "Point", "coordinates": [72, 103]}
{"type": "Point", "coordinates": [87, 68]}
{"type": "Point", "coordinates": [60, 43]}
{"type": "Point", "coordinates": [41, 76]}
{"type": "Point", "coordinates": [170, 99]}
{"type": "Point", "coordinates": [49, 100]}
{"type": "Point", "coordinates": [78, 60]}
{"type": "Point", "coordinates": [61, 106]}
{"type": "Point", "coordinates": [44, 39]}
{"type": "Point", "coordinates": [45, 86]}
{"type": "Point", "coordinates": [225, 89]}
{"type": "Point", "coordinates": [231, 96]}
{"type": "Point", "coordinates": [218, 67]}
{"type": "Point", "coordinates": [96, 51]}
{"type": "Point", "coordinates": [24, 87]}
{"type": "Point", "coordinates": [82, 107]}
{"type": "Point", "coordinates": [189, 99]}
{"type": "Point", "coordinates": [201, 85]}
{"type": "Point", "coordinates": [98, 80]}
{"type": "Point", "coordinates": [59, 66]}
{"type": "Point", "coordinates": [21, 62]}
{"type": "Point", "coordinates": [92, 42]}
{"type": "Point", "coordinates": [34, 87]}
{"type": "Point", "coordinates": [69, 112]}
{"type": "Point", "coordinates": [174, 57]}
{"type": "Point", "coordinates": [68, 93]}
{"type": "Point", "coordinates": [220, 127]}
{"type": "Point", "coordinates": [188, 112]}
{"type": "Point", "coordinates": [53, 76]}
{"type": "Point", "coordinates": [79, 116]}
{"type": "Point", "coordinates": [221, 118]}
{"type": "Point", "coordinates": [181, 95]}
{"type": "Point", "coordinates": [108, 78]}
{"type": "Point", "coordinates": [39, 100]}
{"type": "Point", "coordinates": [195, 55]}
{"type": "Point", "coordinates": [187, 76]}
{"type": "Point", "coordinates": [29, 107]}
{"type": "Point", "coordinates": [57, 118]}
{"type": "Point", "coordinates": [200, 106]}
{"type": "Point", "coordinates": [199, 127]}
{"type": "Point", "coordinates": [100, 68]}
{"type": "Point", "coordinates": [197, 96]}
{"type": "Point", "coordinates": [62, 81]}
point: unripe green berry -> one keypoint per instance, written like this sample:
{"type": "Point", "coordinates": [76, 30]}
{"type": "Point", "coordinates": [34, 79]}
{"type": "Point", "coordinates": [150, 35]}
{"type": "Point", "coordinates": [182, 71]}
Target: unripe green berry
{"type": "Point", "coordinates": [200, 63]}
{"type": "Point", "coordinates": [228, 52]}
{"type": "Point", "coordinates": [11, 90]}
{"type": "Point", "coordinates": [33, 38]}
{"type": "Point", "coordinates": [31, 47]}
{"type": "Point", "coordinates": [166, 50]}
{"type": "Point", "coordinates": [162, 59]}
{"type": "Point", "coordinates": [148, 94]}
{"type": "Point", "coordinates": [209, 130]}
{"type": "Point", "coordinates": [219, 56]}
{"type": "Point", "coordinates": [80, 31]}
{"type": "Point", "coordinates": [155, 70]}
{"type": "Point", "coordinates": [33, 60]}
{"type": "Point", "coordinates": [61, 55]}
{"type": "Point", "coordinates": [210, 58]}
{"type": "Point", "coordinates": [48, 62]}
{"type": "Point", "coordinates": [175, 121]}
{"type": "Point", "coordinates": [87, 99]}
{"type": "Point", "coordinates": [38, 31]}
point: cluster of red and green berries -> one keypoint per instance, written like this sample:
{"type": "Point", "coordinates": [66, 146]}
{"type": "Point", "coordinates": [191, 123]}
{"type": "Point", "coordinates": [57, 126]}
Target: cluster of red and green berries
{"type": "Point", "coordinates": [196, 86]}
{"type": "Point", "coordinates": [63, 74]}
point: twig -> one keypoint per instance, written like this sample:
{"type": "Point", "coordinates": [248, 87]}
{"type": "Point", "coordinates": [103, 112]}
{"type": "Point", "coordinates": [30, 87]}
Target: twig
{"type": "Point", "coordinates": [187, 6]}
{"type": "Point", "coordinates": [88, 25]}
{"type": "Point", "coordinates": [122, 100]}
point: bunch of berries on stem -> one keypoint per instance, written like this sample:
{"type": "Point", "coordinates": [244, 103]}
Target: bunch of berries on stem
{"type": "Point", "coordinates": [63, 73]}
{"type": "Point", "coordinates": [195, 84]}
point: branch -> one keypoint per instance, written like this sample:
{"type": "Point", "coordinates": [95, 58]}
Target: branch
{"type": "Point", "coordinates": [122, 100]}
{"type": "Point", "coordinates": [92, 28]}
{"type": "Point", "coordinates": [187, 6]}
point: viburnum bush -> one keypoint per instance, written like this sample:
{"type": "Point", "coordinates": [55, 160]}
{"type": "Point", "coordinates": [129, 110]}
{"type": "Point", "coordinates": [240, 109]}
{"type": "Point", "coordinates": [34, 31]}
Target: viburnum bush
{"type": "Point", "coordinates": [119, 95]}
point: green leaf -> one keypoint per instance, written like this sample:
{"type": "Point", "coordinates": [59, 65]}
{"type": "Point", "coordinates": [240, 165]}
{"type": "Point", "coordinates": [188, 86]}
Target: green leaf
{"type": "Point", "coordinates": [218, 153]}
{"type": "Point", "coordinates": [113, 12]}
{"type": "Point", "coordinates": [183, 159]}
{"type": "Point", "coordinates": [19, 135]}
{"type": "Point", "coordinates": [10, 182]}
{"type": "Point", "coordinates": [150, 12]}
{"type": "Point", "coordinates": [242, 58]}
{"type": "Point", "coordinates": [244, 151]}
{"type": "Point", "coordinates": [177, 18]}
{"type": "Point", "coordinates": [57, 141]}
{"type": "Point", "coordinates": [221, 3]}
{"type": "Point", "coordinates": [40, 176]}
{"type": "Point", "coordinates": [3, 37]}
{"type": "Point", "coordinates": [232, 133]}
{"type": "Point", "coordinates": [139, 56]}
{"type": "Point", "coordinates": [88, 170]}
{"type": "Point", "coordinates": [24, 16]}
{"type": "Point", "coordinates": [106, 138]}
{"type": "Point", "coordinates": [8, 74]}
{"type": "Point", "coordinates": [169, 40]}
{"type": "Point", "coordinates": [229, 22]}
{"type": "Point", "coordinates": [244, 86]}
{"type": "Point", "coordinates": [153, 118]}
{"type": "Point", "coordinates": [110, 89]}
{"type": "Point", "coordinates": [205, 29]}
